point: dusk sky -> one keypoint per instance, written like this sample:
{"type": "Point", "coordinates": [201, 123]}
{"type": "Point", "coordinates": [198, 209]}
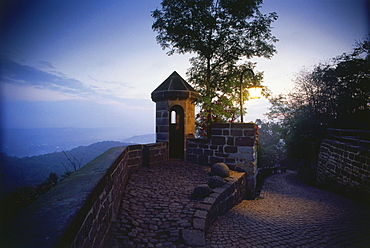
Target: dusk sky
{"type": "Point", "coordinates": [95, 63]}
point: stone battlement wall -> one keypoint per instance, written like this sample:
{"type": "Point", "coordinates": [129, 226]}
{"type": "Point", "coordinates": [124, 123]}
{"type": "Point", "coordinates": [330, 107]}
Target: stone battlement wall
{"type": "Point", "coordinates": [219, 202]}
{"type": "Point", "coordinates": [78, 211]}
{"type": "Point", "coordinates": [234, 144]}
{"type": "Point", "coordinates": [344, 164]}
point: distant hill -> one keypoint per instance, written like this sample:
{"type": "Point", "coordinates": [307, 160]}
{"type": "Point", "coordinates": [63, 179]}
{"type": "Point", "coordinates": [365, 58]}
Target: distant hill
{"type": "Point", "coordinates": [38, 141]}
{"type": "Point", "coordinates": [141, 139]}
{"type": "Point", "coordinates": [30, 171]}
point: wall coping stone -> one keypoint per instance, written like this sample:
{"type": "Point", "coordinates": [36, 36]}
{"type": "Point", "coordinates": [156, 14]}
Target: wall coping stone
{"type": "Point", "coordinates": [54, 212]}
{"type": "Point", "coordinates": [210, 208]}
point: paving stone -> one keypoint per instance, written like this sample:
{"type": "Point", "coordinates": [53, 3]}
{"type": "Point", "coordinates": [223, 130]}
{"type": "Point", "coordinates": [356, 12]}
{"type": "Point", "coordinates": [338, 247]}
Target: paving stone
{"type": "Point", "coordinates": [157, 204]}
{"type": "Point", "coordinates": [291, 214]}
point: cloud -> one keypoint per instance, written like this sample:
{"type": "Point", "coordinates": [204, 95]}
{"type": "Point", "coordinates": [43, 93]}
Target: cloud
{"type": "Point", "coordinates": [14, 92]}
{"type": "Point", "coordinates": [34, 83]}
{"type": "Point", "coordinates": [45, 64]}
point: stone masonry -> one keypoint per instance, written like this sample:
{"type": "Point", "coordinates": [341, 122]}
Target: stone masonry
{"type": "Point", "coordinates": [79, 210]}
{"type": "Point", "coordinates": [233, 144]}
{"type": "Point", "coordinates": [344, 164]}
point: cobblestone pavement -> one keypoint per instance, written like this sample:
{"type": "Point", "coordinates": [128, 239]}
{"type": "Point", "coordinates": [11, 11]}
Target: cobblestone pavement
{"type": "Point", "coordinates": [156, 206]}
{"type": "Point", "coordinates": [291, 214]}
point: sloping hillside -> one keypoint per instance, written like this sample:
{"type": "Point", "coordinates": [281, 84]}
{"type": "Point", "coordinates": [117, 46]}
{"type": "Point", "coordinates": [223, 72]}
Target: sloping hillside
{"type": "Point", "coordinates": [30, 171]}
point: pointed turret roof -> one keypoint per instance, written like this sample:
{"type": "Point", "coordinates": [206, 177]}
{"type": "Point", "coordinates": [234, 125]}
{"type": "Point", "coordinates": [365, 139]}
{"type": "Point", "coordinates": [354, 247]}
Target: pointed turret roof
{"type": "Point", "coordinates": [174, 87]}
{"type": "Point", "coordinates": [174, 82]}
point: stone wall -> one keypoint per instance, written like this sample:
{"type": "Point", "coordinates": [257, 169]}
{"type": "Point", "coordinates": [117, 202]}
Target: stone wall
{"type": "Point", "coordinates": [233, 144]}
{"type": "Point", "coordinates": [221, 200]}
{"type": "Point", "coordinates": [79, 210]}
{"type": "Point", "coordinates": [344, 164]}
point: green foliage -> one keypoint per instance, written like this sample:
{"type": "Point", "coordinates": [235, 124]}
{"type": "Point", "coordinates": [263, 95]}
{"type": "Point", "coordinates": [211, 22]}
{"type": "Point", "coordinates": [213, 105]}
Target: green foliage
{"type": "Point", "coordinates": [31, 171]}
{"type": "Point", "coordinates": [221, 33]}
{"type": "Point", "coordinates": [337, 90]}
{"type": "Point", "coordinates": [271, 146]}
{"type": "Point", "coordinates": [218, 30]}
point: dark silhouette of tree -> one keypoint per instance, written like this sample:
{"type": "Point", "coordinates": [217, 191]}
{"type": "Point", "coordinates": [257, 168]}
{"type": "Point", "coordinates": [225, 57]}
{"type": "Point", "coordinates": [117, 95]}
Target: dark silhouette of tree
{"type": "Point", "coordinates": [21, 197]}
{"type": "Point", "coordinates": [337, 90]}
{"type": "Point", "coordinates": [271, 148]}
{"type": "Point", "coordinates": [220, 33]}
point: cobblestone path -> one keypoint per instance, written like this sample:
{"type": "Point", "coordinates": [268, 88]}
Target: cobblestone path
{"type": "Point", "coordinates": [291, 214]}
{"type": "Point", "coordinates": [156, 206]}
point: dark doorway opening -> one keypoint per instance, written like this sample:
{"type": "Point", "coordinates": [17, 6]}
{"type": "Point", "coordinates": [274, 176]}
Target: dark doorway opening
{"type": "Point", "coordinates": [176, 145]}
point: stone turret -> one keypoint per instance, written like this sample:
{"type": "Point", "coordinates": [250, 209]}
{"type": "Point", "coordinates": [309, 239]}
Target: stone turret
{"type": "Point", "coordinates": [175, 113]}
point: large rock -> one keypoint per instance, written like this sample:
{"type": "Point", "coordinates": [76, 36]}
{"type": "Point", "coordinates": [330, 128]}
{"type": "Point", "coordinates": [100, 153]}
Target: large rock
{"type": "Point", "coordinates": [220, 169]}
{"type": "Point", "coordinates": [215, 182]}
{"type": "Point", "coordinates": [201, 191]}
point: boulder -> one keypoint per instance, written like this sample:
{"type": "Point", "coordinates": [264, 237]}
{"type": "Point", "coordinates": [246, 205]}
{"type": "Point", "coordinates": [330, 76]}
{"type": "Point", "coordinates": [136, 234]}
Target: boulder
{"type": "Point", "coordinates": [201, 191]}
{"type": "Point", "coordinates": [215, 182]}
{"type": "Point", "coordinates": [220, 169]}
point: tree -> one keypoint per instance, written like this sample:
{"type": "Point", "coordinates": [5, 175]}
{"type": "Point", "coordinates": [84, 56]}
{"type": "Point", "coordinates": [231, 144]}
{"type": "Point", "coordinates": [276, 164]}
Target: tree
{"type": "Point", "coordinates": [220, 33]}
{"type": "Point", "coordinates": [271, 146]}
{"type": "Point", "coordinates": [74, 163]}
{"type": "Point", "coordinates": [332, 91]}
{"type": "Point", "coordinates": [227, 96]}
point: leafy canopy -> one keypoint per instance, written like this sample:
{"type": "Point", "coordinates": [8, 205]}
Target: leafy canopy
{"type": "Point", "coordinates": [220, 33]}
{"type": "Point", "coordinates": [330, 93]}
{"type": "Point", "coordinates": [226, 29]}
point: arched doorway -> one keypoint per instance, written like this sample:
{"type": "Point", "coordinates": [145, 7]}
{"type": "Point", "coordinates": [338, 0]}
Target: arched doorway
{"type": "Point", "coordinates": [176, 139]}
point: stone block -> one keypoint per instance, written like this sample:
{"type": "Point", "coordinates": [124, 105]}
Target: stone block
{"type": "Point", "coordinates": [216, 132]}
{"type": "Point", "coordinates": [193, 237]}
{"type": "Point", "coordinates": [201, 214]}
{"type": "Point", "coordinates": [162, 129]}
{"type": "Point", "coordinates": [247, 150]}
{"type": "Point", "coordinates": [191, 158]}
{"type": "Point", "coordinates": [162, 105]}
{"type": "Point", "coordinates": [199, 223]}
{"type": "Point", "coordinates": [209, 200]}
{"type": "Point", "coordinates": [162, 137]}
{"type": "Point", "coordinates": [192, 145]}
{"type": "Point", "coordinates": [236, 132]}
{"type": "Point", "coordinates": [198, 151]}
{"type": "Point", "coordinates": [222, 155]}
{"type": "Point", "coordinates": [203, 206]}
{"type": "Point", "coordinates": [218, 140]}
{"type": "Point", "coordinates": [162, 121]}
{"type": "Point", "coordinates": [219, 190]}
{"type": "Point", "coordinates": [220, 125]}
{"type": "Point", "coordinates": [230, 141]}
{"type": "Point", "coordinates": [208, 152]}
{"type": "Point", "coordinates": [215, 160]}
{"type": "Point", "coordinates": [203, 159]}
{"type": "Point", "coordinates": [231, 149]}
{"type": "Point", "coordinates": [249, 132]}
{"type": "Point", "coordinates": [244, 141]}
{"type": "Point", "coordinates": [243, 125]}
{"type": "Point", "coordinates": [229, 161]}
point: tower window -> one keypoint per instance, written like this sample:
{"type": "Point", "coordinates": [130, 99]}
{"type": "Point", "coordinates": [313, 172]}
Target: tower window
{"type": "Point", "coordinates": [173, 117]}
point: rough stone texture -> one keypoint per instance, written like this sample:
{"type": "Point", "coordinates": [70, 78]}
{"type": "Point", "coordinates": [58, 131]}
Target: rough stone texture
{"type": "Point", "coordinates": [158, 210]}
{"type": "Point", "coordinates": [215, 181]}
{"type": "Point", "coordinates": [194, 238]}
{"type": "Point", "coordinates": [292, 214]}
{"type": "Point", "coordinates": [201, 191]}
{"type": "Point", "coordinates": [78, 211]}
{"type": "Point", "coordinates": [344, 164]}
{"type": "Point", "coordinates": [156, 206]}
{"type": "Point", "coordinates": [220, 169]}
{"type": "Point", "coordinates": [233, 144]}
{"type": "Point", "coordinates": [174, 91]}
